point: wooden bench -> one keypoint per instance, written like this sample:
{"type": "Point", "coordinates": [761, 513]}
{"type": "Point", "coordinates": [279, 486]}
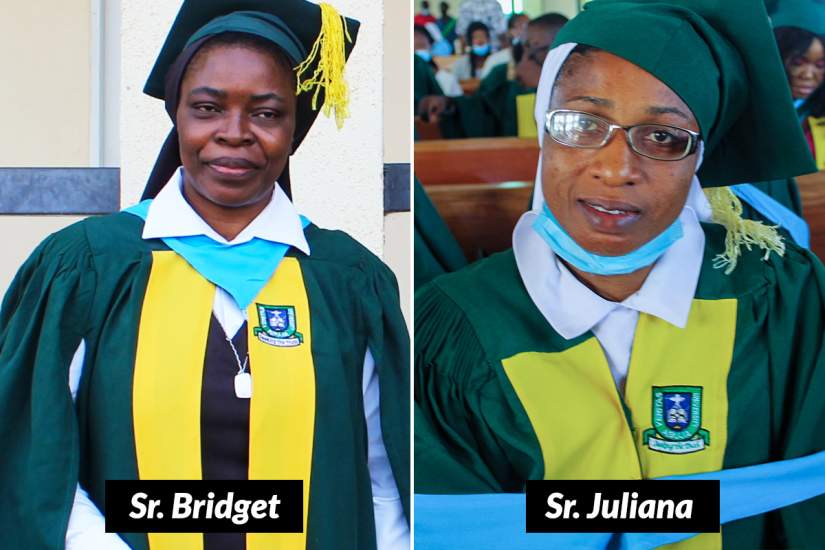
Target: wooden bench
{"type": "Point", "coordinates": [479, 186]}
{"type": "Point", "coordinates": [482, 160]}
{"type": "Point", "coordinates": [481, 216]}
{"type": "Point", "coordinates": [812, 192]}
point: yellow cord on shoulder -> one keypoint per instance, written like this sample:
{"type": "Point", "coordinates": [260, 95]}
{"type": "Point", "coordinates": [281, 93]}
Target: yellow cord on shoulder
{"type": "Point", "coordinates": [329, 72]}
{"type": "Point", "coordinates": [726, 210]}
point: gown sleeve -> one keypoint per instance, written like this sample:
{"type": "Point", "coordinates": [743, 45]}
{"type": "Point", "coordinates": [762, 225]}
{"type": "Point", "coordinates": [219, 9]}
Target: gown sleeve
{"type": "Point", "coordinates": [435, 249]}
{"type": "Point", "coordinates": [796, 340]}
{"type": "Point", "coordinates": [388, 342]}
{"type": "Point", "coordinates": [458, 406]}
{"type": "Point", "coordinates": [42, 321]}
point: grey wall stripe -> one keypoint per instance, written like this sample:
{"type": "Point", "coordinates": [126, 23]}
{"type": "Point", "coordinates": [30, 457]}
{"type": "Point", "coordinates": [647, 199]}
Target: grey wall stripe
{"type": "Point", "coordinates": [59, 190]}
{"type": "Point", "coordinates": [97, 190]}
{"type": "Point", "coordinates": [396, 187]}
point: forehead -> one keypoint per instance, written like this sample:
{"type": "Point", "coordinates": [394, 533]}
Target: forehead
{"type": "Point", "coordinates": [606, 76]}
{"type": "Point", "coordinates": [815, 50]}
{"type": "Point", "coordinates": [227, 65]}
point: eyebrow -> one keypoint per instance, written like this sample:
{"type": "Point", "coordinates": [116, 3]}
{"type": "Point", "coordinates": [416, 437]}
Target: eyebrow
{"type": "Point", "coordinates": [267, 96]}
{"type": "Point", "coordinates": [209, 91]}
{"type": "Point", "coordinates": [221, 94]}
{"type": "Point", "coordinates": [594, 100]}
{"type": "Point", "coordinates": [653, 110]}
{"type": "Point", "coordinates": [669, 110]}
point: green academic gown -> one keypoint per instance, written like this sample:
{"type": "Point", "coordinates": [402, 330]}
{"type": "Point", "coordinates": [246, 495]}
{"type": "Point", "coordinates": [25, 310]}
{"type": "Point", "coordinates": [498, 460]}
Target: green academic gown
{"type": "Point", "coordinates": [502, 398]}
{"type": "Point", "coordinates": [144, 315]}
{"type": "Point", "coordinates": [490, 112]}
{"type": "Point", "coordinates": [424, 82]}
{"type": "Point", "coordinates": [436, 250]}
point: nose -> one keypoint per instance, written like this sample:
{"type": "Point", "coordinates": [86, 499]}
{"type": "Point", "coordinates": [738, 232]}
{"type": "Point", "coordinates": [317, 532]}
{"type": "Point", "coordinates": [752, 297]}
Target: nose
{"type": "Point", "coordinates": [616, 164]}
{"type": "Point", "coordinates": [235, 129]}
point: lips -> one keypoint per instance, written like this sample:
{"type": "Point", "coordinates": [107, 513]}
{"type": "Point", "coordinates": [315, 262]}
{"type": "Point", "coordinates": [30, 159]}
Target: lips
{"type": "Point", "coordinates": [610, 216]}
{"type": "Point", "coordinates": [232, 167]}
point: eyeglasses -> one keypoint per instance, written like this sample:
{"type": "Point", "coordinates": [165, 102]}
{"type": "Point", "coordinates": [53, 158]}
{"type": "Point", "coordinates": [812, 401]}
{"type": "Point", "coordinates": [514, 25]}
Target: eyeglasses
{"type": "Point", "coordinates": [656, 141]}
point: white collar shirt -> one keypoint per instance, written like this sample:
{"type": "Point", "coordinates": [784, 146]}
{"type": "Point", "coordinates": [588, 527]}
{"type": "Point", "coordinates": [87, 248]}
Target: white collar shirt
{"type": "Point", "coordinates": [572, 308]}
{"type": "Point", "coordinates": [171, 215]}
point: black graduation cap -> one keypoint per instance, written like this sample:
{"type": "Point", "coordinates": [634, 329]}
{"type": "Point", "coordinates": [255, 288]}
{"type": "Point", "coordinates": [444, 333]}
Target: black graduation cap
{"type": "Point", "coordinates": [321, 35]}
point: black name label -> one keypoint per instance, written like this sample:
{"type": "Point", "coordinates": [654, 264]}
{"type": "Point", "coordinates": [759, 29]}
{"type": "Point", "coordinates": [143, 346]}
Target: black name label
{"type": "Point", "coordinates": [598, 506]}
{"type": "Point", "coordinates": [259, 506]}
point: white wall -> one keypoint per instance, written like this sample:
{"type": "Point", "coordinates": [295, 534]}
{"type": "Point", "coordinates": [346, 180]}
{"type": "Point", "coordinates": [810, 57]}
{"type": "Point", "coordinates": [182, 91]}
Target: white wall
{"type": "Point", "coordinates": [44, 55]}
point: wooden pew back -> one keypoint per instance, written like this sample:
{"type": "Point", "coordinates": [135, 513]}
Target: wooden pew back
{"type": "Point", "coordinates": [481, 160]}
{"type": "Point", "coordinates": [812, 192]}
{"type": "Point", "coordinates": [482, 216]}
{"type": "Point", "coordinates": [479, 186]}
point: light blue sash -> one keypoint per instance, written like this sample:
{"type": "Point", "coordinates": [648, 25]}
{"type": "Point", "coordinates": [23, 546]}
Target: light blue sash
{"type": "Point", "coordinates": [483, 521]}
{"type": "Point", "coordinates": [242, 270]}
{"type": "Point", "coordinates": [775, 211]}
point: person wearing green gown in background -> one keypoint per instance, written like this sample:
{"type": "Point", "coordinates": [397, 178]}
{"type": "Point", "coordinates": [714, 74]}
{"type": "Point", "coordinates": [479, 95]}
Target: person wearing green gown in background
{"type": "Point", "coordinates": [799, 26]}
{"type": "Point", "coordinates": [491, 111]}
{"type": "Point", "coordinates": [639, 328]}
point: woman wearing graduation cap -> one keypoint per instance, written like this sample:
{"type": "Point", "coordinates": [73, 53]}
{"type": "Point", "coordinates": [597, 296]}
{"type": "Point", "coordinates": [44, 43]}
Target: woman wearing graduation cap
{"type": "Point", "coordinates": [637, 329]}
{"type": "Point", "coordinates": [211, 332]}
{"type": "Point", "coordinates": [799, 28]}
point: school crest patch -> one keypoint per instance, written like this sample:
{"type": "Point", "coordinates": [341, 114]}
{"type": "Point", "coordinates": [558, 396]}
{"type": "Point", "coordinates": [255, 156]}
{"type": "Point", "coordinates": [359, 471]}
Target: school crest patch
{"type": "Point", "coordinates": [677, 421]}
{"type": "Point", "coordinates": [277, 326]}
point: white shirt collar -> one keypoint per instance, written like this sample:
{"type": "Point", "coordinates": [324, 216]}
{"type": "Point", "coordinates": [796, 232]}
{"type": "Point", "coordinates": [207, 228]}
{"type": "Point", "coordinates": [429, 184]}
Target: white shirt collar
{"type": "Point", "coordinates": [573, 309]}
{"type": "Point", "coordinates": [170, 215]}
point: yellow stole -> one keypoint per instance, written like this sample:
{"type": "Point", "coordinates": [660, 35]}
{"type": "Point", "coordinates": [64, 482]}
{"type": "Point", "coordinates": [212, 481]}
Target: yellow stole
{"type": "Point", "coordinates": [818, 133]}
{"type": "Point", "coordinates": [166, 394]}
{"type": "Point", "coordinates": [576, 412]}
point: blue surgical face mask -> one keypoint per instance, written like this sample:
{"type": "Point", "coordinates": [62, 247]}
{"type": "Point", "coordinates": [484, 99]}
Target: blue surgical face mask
{"type": "Point", "coordinates": [563, 245]}
{"type": "Point", "coordinates": [424, 54]}
{"type": "Point", "coordinates": [481, 51]}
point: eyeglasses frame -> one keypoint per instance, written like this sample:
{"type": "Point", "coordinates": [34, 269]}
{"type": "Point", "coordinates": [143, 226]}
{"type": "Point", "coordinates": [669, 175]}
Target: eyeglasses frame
{"type": "Point", "coordinates": [695, 137]}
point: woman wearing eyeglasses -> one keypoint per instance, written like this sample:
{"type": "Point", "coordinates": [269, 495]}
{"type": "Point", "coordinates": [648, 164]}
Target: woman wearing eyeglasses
{"type": "Point", "coordinates": [637, 329]}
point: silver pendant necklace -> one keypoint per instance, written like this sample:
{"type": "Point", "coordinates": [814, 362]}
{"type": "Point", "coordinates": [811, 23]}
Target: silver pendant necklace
{"type": "Point", "coordinates": [243, 380]}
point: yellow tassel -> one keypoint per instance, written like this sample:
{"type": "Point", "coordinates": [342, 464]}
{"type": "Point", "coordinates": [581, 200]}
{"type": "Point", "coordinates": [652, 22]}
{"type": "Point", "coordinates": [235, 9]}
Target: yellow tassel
{"type": "Point", "coordinates": [329, 72]}
{"type": "Point", "coordinates": [726, 210]}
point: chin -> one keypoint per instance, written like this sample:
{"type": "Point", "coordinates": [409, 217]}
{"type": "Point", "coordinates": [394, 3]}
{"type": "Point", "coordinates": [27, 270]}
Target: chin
{"type": "Point", "coordinates": [609, 245]}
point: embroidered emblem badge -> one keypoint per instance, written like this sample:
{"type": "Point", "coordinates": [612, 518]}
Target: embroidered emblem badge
{"type": "Point", "coordinates": [277, 326]}
{"type": "Point", "coordinates": [677, 421]}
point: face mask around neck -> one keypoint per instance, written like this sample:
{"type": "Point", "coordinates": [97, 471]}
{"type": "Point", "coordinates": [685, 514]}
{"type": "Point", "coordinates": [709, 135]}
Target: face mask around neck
{"type": "Point", "coordinates": [563, 245]}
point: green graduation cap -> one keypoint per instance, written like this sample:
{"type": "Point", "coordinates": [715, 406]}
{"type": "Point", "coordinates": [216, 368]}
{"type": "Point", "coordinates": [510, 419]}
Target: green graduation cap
{"type": "Point", "coordinates": [804, 14]}
{"type": "Point", "coordinates": [298, 26]}
{"type": "Point", "coordinates": [721, 58]}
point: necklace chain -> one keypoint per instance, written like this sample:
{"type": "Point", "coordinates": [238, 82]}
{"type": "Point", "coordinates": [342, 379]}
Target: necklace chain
{"type": "Point", "coordinates": [241, 368]}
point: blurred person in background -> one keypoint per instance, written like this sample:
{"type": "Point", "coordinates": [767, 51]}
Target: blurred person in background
{"type": "Point", "coordinates": [799, 27]}
{"type": "Point", "coordinates": [425, 15]}
{"type": "Point", "coordinates": [423, 47]}
{"type": "Point", "coordinates": [446, 24]}
{"type": "Point", "coordinates": [488, 12]}
{"type": "Point", "coordinates": [479, 49]}
{"type": "Point", "coordinates": [516, 34]}
{"type": "Point", "coordinates": [494, 111]}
